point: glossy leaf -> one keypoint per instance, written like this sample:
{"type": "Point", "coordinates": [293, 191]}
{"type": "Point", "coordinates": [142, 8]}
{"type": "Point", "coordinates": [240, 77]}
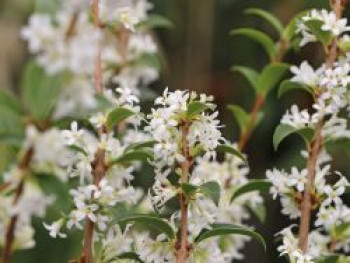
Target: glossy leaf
{"type": "Point", "coordinates": [211, 190]}
{"type": "Point", "coordinates": [117, 116]}
{"type": "Point", "coordinates": [270, 76]}
{"type": "Point", "coordinates": [250, 74]}
{"type": "Point", "coordinates": [288, 85]}
{"type": "Point", "coordinates": [152, 222]}
{"type": "Point", "coordinates": [290, 31]}
{"type": "Point", "coordinates": [315, 25]}
{"type": "Point", "coordinates": [282, 131]}
{"type": "Point", "coordinates": [253, 185]}
{"type": "Point", "coordinates": [231, 150]}
{"type": "Point", "coordinates": [229, 229]}
{"type": "Point", "coordinates": [141, 145]}
{"type": "Point", "coordinates": [259, 37]}
{"type": "Point", "coordinates": [269, 17]}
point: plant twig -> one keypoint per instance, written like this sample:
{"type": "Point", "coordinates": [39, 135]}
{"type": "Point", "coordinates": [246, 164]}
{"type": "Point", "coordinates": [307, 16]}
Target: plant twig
{"type": "Point", "coordinates": [24, 166]}
{"type": "Point", "coordinates": [183, 247]}
{"type": "Point", "coordinates": [315, 147]}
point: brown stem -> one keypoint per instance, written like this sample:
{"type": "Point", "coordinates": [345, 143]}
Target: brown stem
{"type": "Point", "coordinates": [259, 102]}
{"type": "Point", "coordinates": [183, 247]}
{"type": "Point", "coordinates": [98, 62]}
{"type": "Point", "coordinates": [71, 26]}
{"type": "Point", "coordinates": [99, 169]}
{"type": "Point", "coordinates": [315, 147]}
{"type": "Point", "coordinates": [24, 165]}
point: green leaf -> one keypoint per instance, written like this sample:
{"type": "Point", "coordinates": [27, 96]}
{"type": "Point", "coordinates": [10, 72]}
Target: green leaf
{"type": "Point", "coordinates": [288, 85]}
{"type": "Point", "coordinates": [148, 60]}
{"type": "Point", "coordinates": [315, 25]}
{"type": "Point", "coordinates": [189, 189]}
{"type": "Point", "coordinates": [229, 229]}
{"type": "Point", "coordinates": [11, 127]}
{"type": "Point", "coordinates": [241, 116]}
{"type": "Point", "coordinates": [253, 185]}
{"type": "Point", "coordinates": [156, 21]}
{"type": "Point", "coordinates": [270, 77]}
{"type": "Point", "coordinates": [118, 115]}
{"type": "Point", "coordinates": [342, 230]}
{"type": "Point", "coordinates": [141, 145]}
{"type": "Point", "coordinates": [212, 190]}
{"type": "Point", "coordinates": [269, 17]}
{"type": "Point", "coordinates": [259, 37]}
{"type": "Point", "coordinates": [330, 259]}
{"type": "Point", "coordinates": [131, 156]}
{"type": "Point", "coordinates": [152, 222]}
{"type": "Point", "coordinates": [127, 255]}
{"type": "Point", "coordinates": [195, 108]}
{"type": "Point", "coordinates": [259, 210]}
{"type": "Point", "coordinates": [250, 74]}
{"type": "Point", "coordinates": [40, 91]}
{"type": "Point", "coordinates": [290, 30]}
{"type": "Point", "coordinates": [44, 6]}
{"type": "Point", "coordinates": [8, 100]}
{"type": "Point", "coordinates": [231, 150]}
{"type": "Point", "coordinates": [283, 130]}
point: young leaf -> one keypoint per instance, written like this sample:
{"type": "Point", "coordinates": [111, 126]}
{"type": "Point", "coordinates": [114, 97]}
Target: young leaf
{"type": "Point", "coordinates": [40, 91]}
{"type": "Point", "coordinates": [211, 190]}
{"type": "Point", "coordinates": [152, 222]}
{"type": "Point", "coordinates": [250, 74]}
{"type": "Point", "coordinates": [270, 76]}
{"type": "Point", "coordinates": [291, 29]}
{"type": "Point", "coordinates": [269, 17]}
{"type": "Point", "coordinates": [283, 130]}
{"type": "Point", "coordinates": [315, 27]}
{"type": "Point", "coordinates": [195, 108]}
{"type": "Point", "coordinates": [229, 229]}
{"type": "Point", "coordinates": [156, 21]}
{"type": "Point", "coordinates": [259, 37]}
{"type": "Point", "coordinates": [231, 150]}
{"type": "Point", "coordinates": [135, 155]}
{"type": "Point", "coordinates": [288, 85]}
{"type": "Point", "coordinates": [8, 100]}
{"type": "Point", "coordinates": [118, 115]}
{"type": "Point", "coordinates": [251, 186]}
{"type": "Point", "coordinates": [241, 116]}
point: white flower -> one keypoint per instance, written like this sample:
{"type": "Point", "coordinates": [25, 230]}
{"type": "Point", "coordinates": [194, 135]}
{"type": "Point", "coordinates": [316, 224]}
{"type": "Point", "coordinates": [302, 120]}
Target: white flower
{"type": "Point", "coordinates": [55, 228]}
{"type": "Point", "coordinates": [98, 120]}
{"type": "Point", "coordinates": [74, 135]}
{"type": "Point", "coordinates": [333, 195]}
{"type": "Point", "coordinates": [127, 18]}
{"type": "Point", "coordinates": [298, 179]}
{"type": "Point", "coordinates": [305, 74]}
{"type": "Point", "coordinates": [296, 118]}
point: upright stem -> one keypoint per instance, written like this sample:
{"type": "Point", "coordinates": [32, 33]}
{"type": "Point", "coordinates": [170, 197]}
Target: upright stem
{"type": "Point", "coordinates": [99, 169]}
{"type": "Point", "coordinates": [24, 166]}
{"type": "Point", "coordinates": [98, 63]}
{"type": "Point", "coordinates": [315, 147]}
{"type": "Point", "coordinates": [183, 247]}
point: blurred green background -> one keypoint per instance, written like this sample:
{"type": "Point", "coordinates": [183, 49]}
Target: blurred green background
{"type": "Point", "coordinates": [199, 53]}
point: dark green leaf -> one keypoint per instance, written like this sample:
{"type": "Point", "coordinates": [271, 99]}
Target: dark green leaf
{"type": "Point", "coordinates": [140, 145]}
{"type": "Point", "coordinates": [270, 76]}
{"type": "Point", "coordinates": [259, 37]}
{"type": "Point", "coordinates": [229, 229]}
{"type": "Point", "coordinates": [253, 185]}
{"type": "Point", "coordinates": [211, 190]}
{"type": "Point", "coordinates": [152, 222]}
{"type": "Point", "coordinates": [241, 116]}
{"type": "Point", "coordinates": [288, 85]}
{"type": "Point", "coordinates": [8, 100]}
{"type": "Point", "coordinates": [315, 25]}
{"type": "Point", "coordinates": [283, 130]}
{"type": "Point", "coordinates": [189, 189]}
{"type": "Point", "coordinates": [118, 115]}
{"type": "Point", "coordinates": [231, 150]}
{"type": "Point", "coordinates": [291, 29]}
{"type": "Point", "coordinates": [269, 17]}
{"type": "Point", "coordinates": [250, 74]}
{"type": "Point", "coordinates": [195, 108]}
{"type": "Point", "coordinates": [128, 255]}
